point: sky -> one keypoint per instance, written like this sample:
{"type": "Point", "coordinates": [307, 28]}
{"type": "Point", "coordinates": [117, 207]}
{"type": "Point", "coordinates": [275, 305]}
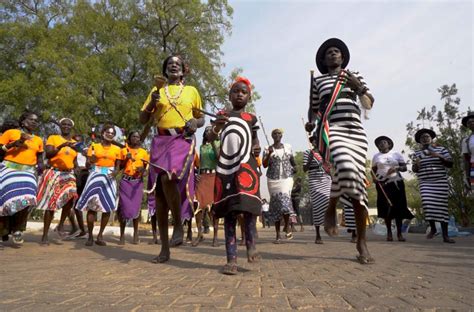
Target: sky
{"type": "Point", "coordinates": [404, 49]}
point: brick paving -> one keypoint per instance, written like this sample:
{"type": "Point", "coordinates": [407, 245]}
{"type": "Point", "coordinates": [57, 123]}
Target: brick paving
{"type": "Point", "coordinates": [418, 275]}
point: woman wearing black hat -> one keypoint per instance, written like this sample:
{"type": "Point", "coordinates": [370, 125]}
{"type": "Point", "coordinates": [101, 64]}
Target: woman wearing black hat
{"type": "Point", "coordinates": [391, 196]}
{"type": "Point", "coordinates": [342, 137]}
{"type": "Point", "coordinates": [430, 163]}
{"type": "Point", "coordinates": [467, 147]}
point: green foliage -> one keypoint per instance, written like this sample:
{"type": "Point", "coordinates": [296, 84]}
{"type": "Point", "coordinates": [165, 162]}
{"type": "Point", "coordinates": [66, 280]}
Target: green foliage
{"type": "Point", "coordinates": [95, 60]}
{"type": "Point", "coordinates": [446, 123]}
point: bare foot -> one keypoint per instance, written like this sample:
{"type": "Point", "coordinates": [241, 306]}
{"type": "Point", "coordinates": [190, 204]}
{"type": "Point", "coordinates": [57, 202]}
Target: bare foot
{"type": "Point", "coordinates": [100, 242]}
{"type": "Point", "coordinates": [154, 241]}
{"type": "Point", "coordinates": [89, 242]}
{"type": "Point", "coordinates": [163, 257]}
{"type": "Point", "coordinates": [44, 242]}
{"type": "Point", "coordinates": [198, 239]}
{"type": "Point", "coordinates": [401, 238]}
{"type": "Point", "coordinates": [430, 235]}
{"type": "Point", "coordinates": [330, 226]}
{"type": "Point", "coordinates": [136, 240]}
{"type": "Point", "coordinates": [229, 269]}
{"type": "Point", "coordinates": [177, 238]}
{"type": "Point", "coordinates": [215, 243]}
{"type": "Point", "coordinates": [122, 241]}
{"type": "Point", "coordinates": [318, 241]}
{"type": "Point", "coordinates": [364, 256]}
{"type": "Point", "coordinates": [253, 256]}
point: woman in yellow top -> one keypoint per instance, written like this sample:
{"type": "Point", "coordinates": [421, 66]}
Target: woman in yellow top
{"type": "Point", "coordinates": [100, 192]}
{"type": "Point", "coordinates": [131, 186]}
{"type": "Point", "coordinates": [174, 108]}
{"type": "Point", "coordinates": [57, 186]}
{"type": "Point", "coordinates": [23, 153]}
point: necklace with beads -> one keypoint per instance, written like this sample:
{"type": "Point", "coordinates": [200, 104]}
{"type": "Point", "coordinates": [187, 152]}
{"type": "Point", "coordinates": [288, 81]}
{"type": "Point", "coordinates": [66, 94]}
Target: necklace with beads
{"type": "Point", "coordinates": [173, 99]}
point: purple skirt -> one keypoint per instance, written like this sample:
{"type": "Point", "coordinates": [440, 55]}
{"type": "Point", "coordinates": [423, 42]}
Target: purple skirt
{"type": "Point", "coordinates": [174, 155]}
{"type": "Point", "coordinates": [130, 198]}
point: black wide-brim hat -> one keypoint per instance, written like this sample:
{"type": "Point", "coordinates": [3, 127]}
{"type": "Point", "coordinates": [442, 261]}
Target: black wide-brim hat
{"type": "Point", "coordinates": [383, 137]}
{"type": "Point", "coordinates": [422, 131]}
{"type": "Point", "coordinates": [333, 42]}
{"type": "Point", "coordinates": [466, 118]}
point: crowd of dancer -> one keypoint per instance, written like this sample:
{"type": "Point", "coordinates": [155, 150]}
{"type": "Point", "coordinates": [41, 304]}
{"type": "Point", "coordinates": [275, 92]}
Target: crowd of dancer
{"type": "Point", "coordinates": [223, 179]}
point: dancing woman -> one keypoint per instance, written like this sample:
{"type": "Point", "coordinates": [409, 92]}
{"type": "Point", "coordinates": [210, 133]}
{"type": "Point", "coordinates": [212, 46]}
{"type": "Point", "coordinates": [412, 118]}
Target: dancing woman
{"type": "Point", "coordinates": [208, 152]}
{"type": "Point", "coordinates": [341, 135]}
{"type": "Point", "coordinates": [279, 160]}
{"type": "Point", "coordinates": [319, 180]}
{"type": "Point", "coordinates": [23, 158]}
{"type": "Point", "coordinates": [175, 110]}
{"type": "Point", "coordinates": [467, 148]}
{"type": "Point", "coordinates": [133, 159]}
{"type": "Point", "coordinates": [100, 192]}
{"type": "Point", "coordinates": [430, 166]}
{"type": "Point", "coordinates": [391, 196]}
{"type": "Point", "coordinates": [57, 187]}
{"type": "Point", "coordinates": [237, 185]}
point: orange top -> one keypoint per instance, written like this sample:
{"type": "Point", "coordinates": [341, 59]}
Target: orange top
{"type": "Point", "coordinates": [24, 155]}
{"type": "Point", "coordinates": [137, 154]}
{"type": "Point", "coordinates": [106, 155]}
{"type": "Point", "coordinates": [64, 159]}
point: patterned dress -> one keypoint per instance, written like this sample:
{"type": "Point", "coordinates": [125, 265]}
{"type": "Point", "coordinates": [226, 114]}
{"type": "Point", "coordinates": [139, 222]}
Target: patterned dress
{"type": "Point", "coordinates": [347, 139]}
{"type": "Point", "coordinates": [319, 186]}
{"type": "Point", "coordinates": [237, 185]}
{"type": "Point", "coordinates": [434, 187]}
{"type": "Point", "coordinates": [280, 182]}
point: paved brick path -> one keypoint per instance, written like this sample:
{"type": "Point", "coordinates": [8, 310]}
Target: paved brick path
{"type": "Point", "coordinates": [67, 276]}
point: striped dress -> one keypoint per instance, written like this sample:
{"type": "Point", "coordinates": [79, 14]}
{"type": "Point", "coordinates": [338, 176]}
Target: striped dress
{"type": "Point", "coordinates": [348, 141]}
{"type": "Point", "coordinates": [319, 187]}
{"type": "Point", "coordinates": [434, 188]}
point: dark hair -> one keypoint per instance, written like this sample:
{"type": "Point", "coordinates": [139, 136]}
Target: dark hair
{"type": "Point", "coordinates": [9, 124]}
{"type": "Point", "coordinates": [24, 116]}
{"type": "Point", "coordinates": [106, 126]}
{"type": "Point", "coordinates": [130, 135]}
{"type": "Point", "coordinates": [184, 67]}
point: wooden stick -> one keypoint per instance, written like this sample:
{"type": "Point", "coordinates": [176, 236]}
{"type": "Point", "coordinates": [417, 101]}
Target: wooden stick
{"type": "Point", "coordinates": [264, 132]}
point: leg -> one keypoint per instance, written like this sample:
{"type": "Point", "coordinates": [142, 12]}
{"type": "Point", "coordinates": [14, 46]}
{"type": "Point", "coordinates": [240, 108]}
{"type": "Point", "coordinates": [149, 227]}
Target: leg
{"type": "Point", "coordinates": [432, 232]}
{"type": "Point", "coordinates": [300, 219]}
{"type": "Point", "coordinates": [286, 219]}
{"type": "Point", "coordinates": [388, 224]}
{"type": "Point", "coordinates": [18, 225]}
{"type": "Point", "coordinates": [153, 229]}
{"type": "Point", "coordinates": [215, 222]}
{"type": "Point", "coordinates": [250, 222]}
{"type": "Point", "coordinates": [277, 230]}
{"type": "Point", "coordinates": [318, 235]}
{"type": "Point", "coordinates": [162, 218]}
{"type": "Point", "coordinates": [189, 234]}
{"type": "Point", "coordinates": [136, 238]}
{"type": "Point", "coordinates": [399, 223]}
{"type": "Point", "coordinates": [122, 229]}
{"type": "Point", "coordinates": [330, 216]}
{"type": "Point", "coordinates": [240, 219]}
{"type": "Point", "coordinates": [230, 222]}
{"type": "Point", "coordinates": [444, 229]}
{"type": "Point", "coordinates": [199, 238]}
{"type": "Point", "coordinates": [48, 216]}
{"type": "Point", "coordinates": [361, 218]}
{"type": "Point", "coordinates": [354, 236]}
{"type": "Point", "coordinates": [80, 223]}
{"type": "Point", "coordinates": [173, 202]}
{"type": "Point", "coordinates": [103, 223]}
{"type": "Point", "coordinates": [91, 216]}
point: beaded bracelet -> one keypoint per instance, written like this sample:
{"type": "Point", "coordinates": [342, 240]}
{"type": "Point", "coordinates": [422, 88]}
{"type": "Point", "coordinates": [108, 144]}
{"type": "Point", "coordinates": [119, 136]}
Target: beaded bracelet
{"type": "Point", "coordinates": [213, 129]}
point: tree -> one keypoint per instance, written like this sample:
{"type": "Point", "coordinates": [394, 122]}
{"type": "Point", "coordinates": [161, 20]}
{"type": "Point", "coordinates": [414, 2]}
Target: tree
{"type": "Point", "coordinates": [446, 123]}
{"type": "Point", "coordinates": [95, 60]}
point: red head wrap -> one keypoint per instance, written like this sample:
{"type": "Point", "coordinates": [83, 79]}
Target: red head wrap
{"type": "Point", "coordinates": [243, 80]}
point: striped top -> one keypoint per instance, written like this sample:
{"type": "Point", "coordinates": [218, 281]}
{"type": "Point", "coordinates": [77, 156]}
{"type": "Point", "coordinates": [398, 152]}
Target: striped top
{"type": "Point", "coordinates": [346, 111]}
{"type": "Point", "coordinates": [315, 170]}
{"type": "Point", "coordinates": [432, 168]}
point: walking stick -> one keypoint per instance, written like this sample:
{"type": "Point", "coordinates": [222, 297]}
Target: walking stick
{"type": "Point", "coordinates": [264, 132]}
{"type": "Point", "coordinates": [390, 205]}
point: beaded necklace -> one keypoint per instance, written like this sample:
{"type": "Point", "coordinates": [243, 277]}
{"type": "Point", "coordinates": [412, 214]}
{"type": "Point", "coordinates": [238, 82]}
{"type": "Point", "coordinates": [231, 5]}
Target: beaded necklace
{"type": "Point", "coordinates": [174, 99]}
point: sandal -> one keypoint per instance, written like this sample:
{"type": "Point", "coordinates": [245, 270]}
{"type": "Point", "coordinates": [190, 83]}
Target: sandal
{"type": "Point", "coordinates": [17, 238]}
{"type": "Point", "coordinates": [289, 236]}
{"type": "Point", "coordinates": [229, 269]}
{"type": "Point", "coordinates": [430, 235]}
{"type": "Point", "coordinates": [449, 240]}
{"type": "Point", "coordinates": [365, 260]}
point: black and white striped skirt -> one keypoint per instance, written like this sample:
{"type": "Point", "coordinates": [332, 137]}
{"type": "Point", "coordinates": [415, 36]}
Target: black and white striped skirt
{"type": "Point", "coordinates": [434, 198]}
{"type": "Point", "coordinates": [319, 192]}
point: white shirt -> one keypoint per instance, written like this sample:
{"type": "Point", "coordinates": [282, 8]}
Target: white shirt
{"type": "Point", "coordinates": [385, 161]}
{"type": "Point", "coordinates": [468, 148]}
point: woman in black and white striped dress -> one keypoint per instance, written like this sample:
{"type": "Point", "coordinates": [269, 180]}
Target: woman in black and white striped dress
{"type": "Point", "coordinates": [319, 181]}
{"type": "Point", "coordinates": [341, 134]}
{"type": "Point", "coordinates": [430, 166]}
